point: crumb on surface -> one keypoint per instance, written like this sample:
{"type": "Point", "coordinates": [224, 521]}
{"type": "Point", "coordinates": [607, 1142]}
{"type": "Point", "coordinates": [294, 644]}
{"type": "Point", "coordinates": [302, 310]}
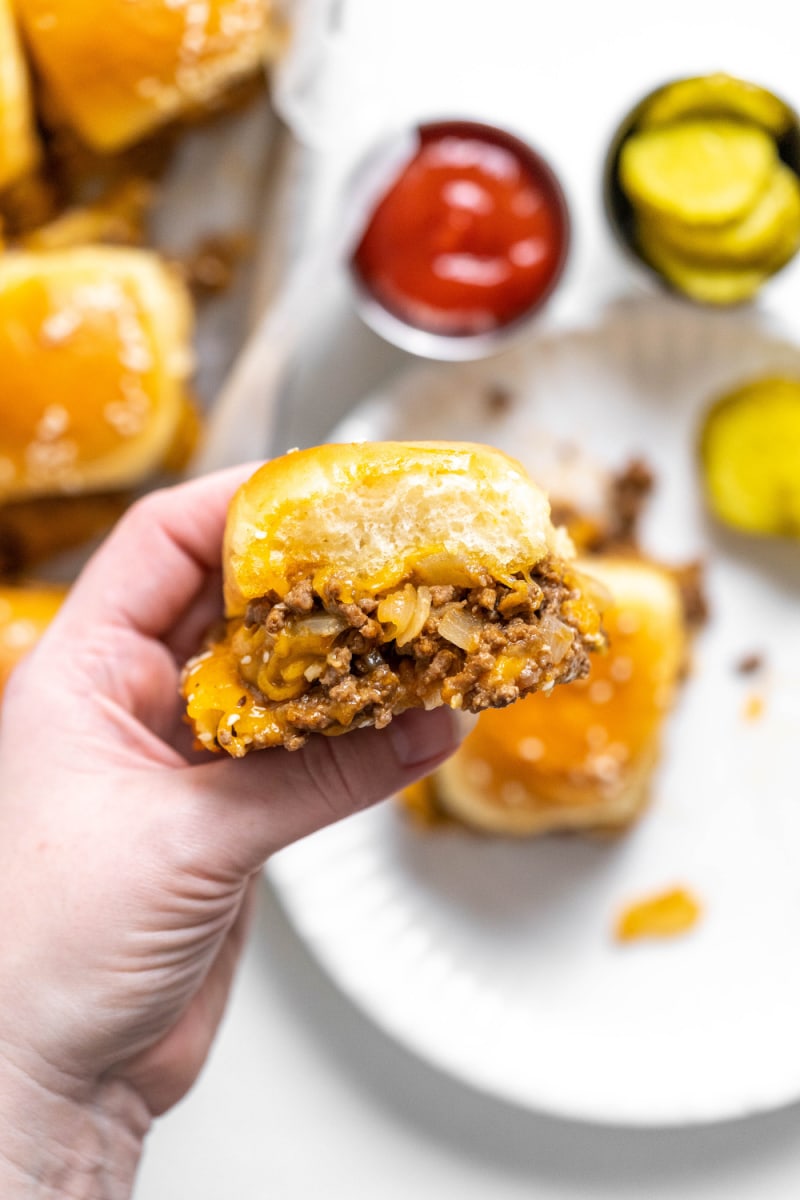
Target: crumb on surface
{"type": "Point", "coordinates": [630, 490]}
{"type": "Point", "coordinates": [499, 399]}
{"type": "Point", "coordinates": [754, 707]}
{"type": "Point", "coordinates": [663, 915]}
{"type": "Point", "coordinates": [690, 580]}
{"type": "Point", "coordinates": [210, 267]}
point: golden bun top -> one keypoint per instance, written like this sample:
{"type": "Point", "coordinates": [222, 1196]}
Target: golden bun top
{"type": "Point", "coordinates": [19, 145]}
{"type": "Point", "coordinates": [118, 69]}
{"type": "Point", "coordinates": [371, 514]}
{"type": "Point", "coordinates": [25, 613]}
{"type": "Point", "coordinates": [94, 355]}
{"type": "Point", "coordinates": [582, 755]}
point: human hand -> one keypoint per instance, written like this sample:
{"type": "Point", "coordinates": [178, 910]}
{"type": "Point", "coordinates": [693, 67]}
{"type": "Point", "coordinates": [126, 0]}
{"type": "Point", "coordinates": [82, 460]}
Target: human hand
{"type": "Point", "coordinates": [127, 860]}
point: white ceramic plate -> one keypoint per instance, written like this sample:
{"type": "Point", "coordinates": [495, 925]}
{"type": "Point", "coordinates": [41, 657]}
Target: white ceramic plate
{"type": "Point", "coordinates": [495, 960]}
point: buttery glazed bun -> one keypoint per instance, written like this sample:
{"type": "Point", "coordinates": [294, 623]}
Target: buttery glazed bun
{"type": "Point", "coordinates": [94, 356]}
{"type": "Point", "coordinates": [583, 757]}
{"type": "Point", "coordinates": [362, 580]}
{"type": "Point", "coordinates": [25, 613]}
{"type": "Point", "coordinates": [19, 146]}
{"type": "Point", "coordinates": [118, 69]}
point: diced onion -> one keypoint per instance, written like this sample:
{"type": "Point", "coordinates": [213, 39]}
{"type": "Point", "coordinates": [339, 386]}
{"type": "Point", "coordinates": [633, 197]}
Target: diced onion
{"type": "Point", "coordinates": [398, 609]}
{"type": "Point", "coordinates": [461, 628]}
{"type": "Point", "coordinates": [558, 636]}
{"type": "Point", "coordinates": [422, 610]}
{"type": "Point", "coordinates": [405, 612]}
{"type": "Point", "coordinates": [320, 625]}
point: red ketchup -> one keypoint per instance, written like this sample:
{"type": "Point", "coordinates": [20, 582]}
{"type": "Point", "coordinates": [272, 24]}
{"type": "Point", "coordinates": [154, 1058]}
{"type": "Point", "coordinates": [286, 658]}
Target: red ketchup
{"type": "Point", "coordinates": [470, 236]}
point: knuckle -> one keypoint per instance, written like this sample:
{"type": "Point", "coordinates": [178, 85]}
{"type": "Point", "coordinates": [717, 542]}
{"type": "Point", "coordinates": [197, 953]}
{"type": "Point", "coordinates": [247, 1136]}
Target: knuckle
{"type": "Point", "coordinates": [146, 512]}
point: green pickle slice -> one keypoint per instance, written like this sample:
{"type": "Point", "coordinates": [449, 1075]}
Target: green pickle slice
{"type": "Point", "coordinates": [750, 455]}
{"type": "Point", "coordinates": [766, 236]}
{"type": "Point", "coordinates": [698, 172]}
{"type": "Point", "coordinates": [717, 95]}
{"type": "Point", "coordinates": [708, 284]}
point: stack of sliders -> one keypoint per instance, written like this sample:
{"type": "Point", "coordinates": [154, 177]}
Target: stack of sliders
{"type": "Point", "coordinates": [84, 85]}
{"type": "Point", "coordinates": [363, 580]}
{"type": "Point", "coordinates": [95, 342]}
{"type": "Point", "coordinates": [95, 354]}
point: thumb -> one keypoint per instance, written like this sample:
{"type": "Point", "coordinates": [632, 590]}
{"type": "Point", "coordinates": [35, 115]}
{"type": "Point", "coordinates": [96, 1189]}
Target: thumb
{"type": "Point", "coordinates": [252, 807]}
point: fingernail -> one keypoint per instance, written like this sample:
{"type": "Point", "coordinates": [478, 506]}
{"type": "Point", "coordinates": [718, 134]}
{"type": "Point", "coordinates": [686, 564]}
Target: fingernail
{"type": "Point", "coordinates": [419, 736]}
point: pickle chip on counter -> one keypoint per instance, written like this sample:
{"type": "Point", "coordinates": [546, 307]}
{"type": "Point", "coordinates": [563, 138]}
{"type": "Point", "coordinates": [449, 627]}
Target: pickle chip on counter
{"type": "Point", "coordinates": [718, 95]}
{"type": "Point", "coordinates": [750, 455]}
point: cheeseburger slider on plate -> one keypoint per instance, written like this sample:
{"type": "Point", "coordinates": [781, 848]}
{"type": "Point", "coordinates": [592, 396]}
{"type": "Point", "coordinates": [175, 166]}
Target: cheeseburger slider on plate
{"type": "Point", "coordinates": [95, 354]}
{"type": "Point", "coordinates": [583, 758]}
{"type": "Point", "coordinates": [363, 580]}
{"type": "Point", "coordinates": [116, 70]}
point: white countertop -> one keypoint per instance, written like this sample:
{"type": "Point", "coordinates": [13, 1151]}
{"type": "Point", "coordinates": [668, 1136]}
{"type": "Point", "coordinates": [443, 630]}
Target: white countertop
{"type": "Point", "coordinates": [303, 1096]}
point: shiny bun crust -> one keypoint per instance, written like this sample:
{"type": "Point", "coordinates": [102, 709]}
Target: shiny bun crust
{"type": "Point", "coordinates": [94, 355]}
{"type": "Point", "coordinates": [368, 512]}
{"type": "Point", "coordinates": [117, 70]}
{"type": "Point", "coordinates": [583, 757]}
{"type": "Point", "coordinates": [25, 612]}
{"type": "Point", "coordinates": [19, 146]}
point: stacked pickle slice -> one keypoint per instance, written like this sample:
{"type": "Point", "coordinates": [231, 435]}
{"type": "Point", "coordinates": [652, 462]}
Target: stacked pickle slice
{"type": "Point", "coordinates": [716, 209]}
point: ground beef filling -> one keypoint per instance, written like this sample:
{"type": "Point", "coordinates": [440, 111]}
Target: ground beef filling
{"type": "Point", "coordinates": [326, 661]}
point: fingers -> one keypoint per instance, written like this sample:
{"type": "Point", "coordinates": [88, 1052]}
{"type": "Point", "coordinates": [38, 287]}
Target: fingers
{"type": "Point", "coordinates": [186, 636]}
{"type": "Point", "coordinates": [155, 562]}
{"type": "Point", "coordinates": [250, 808]}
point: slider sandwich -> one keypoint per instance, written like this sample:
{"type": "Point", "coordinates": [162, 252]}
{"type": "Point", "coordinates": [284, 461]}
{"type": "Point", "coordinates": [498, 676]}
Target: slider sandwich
{"type": "Point", "coordinates": [584, 757]}
{"type": "Point", "coordinates": [363, 580]}
{"type": "Point", "coordinates": [95, 351]}
{"type": "Point", "coordinates": [117, 70]}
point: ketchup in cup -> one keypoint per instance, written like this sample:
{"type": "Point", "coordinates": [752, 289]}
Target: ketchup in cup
{"type": "Point", "coordinates": [470, 237]}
